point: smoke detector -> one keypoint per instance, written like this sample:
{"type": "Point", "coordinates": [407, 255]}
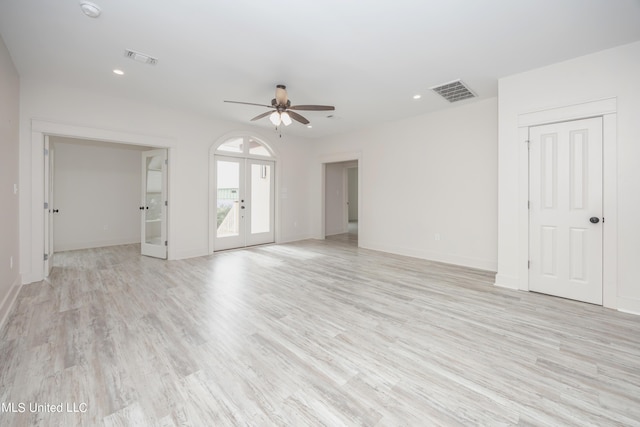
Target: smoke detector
{"type": "Point", "coordinates": [454, 91]}
{"type": "Point", "coordinates": [140, 57]}
{"type": "Point", "coordinates": [90, 9]}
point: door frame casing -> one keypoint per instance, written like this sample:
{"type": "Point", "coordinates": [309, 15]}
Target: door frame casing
{"type": "Point", "coordinates": [34, 272]}
{"type": "Point", "coordinates": [607, 109]}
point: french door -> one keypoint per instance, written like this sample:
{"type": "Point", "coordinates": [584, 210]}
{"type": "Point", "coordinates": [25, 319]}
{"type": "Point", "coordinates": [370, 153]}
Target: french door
{"type": "Point", "coordinates": [566, 209]}
{"type": "Point", "coordinates": [153, 209]}
{"type": "Point", "coordinates": [244, 202]}
{"type": "Point", "coordinates": [48, 206]}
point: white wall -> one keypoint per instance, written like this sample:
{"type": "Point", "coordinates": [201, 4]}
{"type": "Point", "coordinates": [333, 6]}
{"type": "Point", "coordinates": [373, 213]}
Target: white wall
{"type": "Point", "coordinates": [610, 73]}
{"type": "Point", "coordinates": [424, 176]}
{"type": "Point", "coordinates": [97, 192]}
{"type": "Point", "coordinates": [189, 138]}
{"type": "Point", "coordinates": [9, 240]}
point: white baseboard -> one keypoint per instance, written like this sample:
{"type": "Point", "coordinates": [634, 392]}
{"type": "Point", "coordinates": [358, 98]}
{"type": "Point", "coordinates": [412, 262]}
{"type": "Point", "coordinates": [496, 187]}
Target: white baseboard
{"type": "Point", "coordinates": [296, 238]}
{"type": "Point", "coordinates": [629, 305]}
{"type": "Point", "coordinates": [9, 300]}
{"type": "Point", "coordinates": [95, 244]}
{"type": "Point", "coordinates": [189, 254]}
{"type": "Point", "coordinates": [432, 256]}
{"type": "Point", "coordinates": [508, 282]}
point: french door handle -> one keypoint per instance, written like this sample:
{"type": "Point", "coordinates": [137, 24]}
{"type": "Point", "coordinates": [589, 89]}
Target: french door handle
{"type": "Point", "coordinates": [594, 220]}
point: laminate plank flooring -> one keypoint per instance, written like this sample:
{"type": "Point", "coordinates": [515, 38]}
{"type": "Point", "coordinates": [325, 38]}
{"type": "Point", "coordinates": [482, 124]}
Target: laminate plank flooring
{"type": "Point", "coordinates": [309, 333]}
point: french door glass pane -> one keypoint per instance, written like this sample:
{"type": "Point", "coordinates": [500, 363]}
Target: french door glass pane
{"type": "Point", "coordinates": [260, 198]}
{"type": "Point", "coordinates": [228, 209]}
{"type": "Point", "coordinates": [153, 195]}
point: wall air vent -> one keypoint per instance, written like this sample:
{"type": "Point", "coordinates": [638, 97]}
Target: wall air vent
{"type": "Point", "coordinates": [453, 91]}
{"type": "Point", "coordinates": [140, 57]}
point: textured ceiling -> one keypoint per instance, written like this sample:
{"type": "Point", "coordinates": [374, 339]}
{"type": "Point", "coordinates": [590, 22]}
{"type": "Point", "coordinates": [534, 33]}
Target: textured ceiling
{"type": "Point", "coordinates": [368, 58]}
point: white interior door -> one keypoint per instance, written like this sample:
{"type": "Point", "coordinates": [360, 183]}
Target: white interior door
{"type": "Point", "coordinates": [153, 210]}
{"type": "Point", "coordinates": [244, 202]}
{"type": "Point", "coordinates": [48, 206]}
{"type": "Point", "coordinates": [566, 209]}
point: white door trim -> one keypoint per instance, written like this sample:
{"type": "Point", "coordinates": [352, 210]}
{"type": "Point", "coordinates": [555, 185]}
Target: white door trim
{"type": "Point", "coordinates": [34, 266]}
{"type": "Point", "coordinates": [607, 108]}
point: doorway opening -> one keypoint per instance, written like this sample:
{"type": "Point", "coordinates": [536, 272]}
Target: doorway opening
{"type": "Point", "coordinates": [605, 110]}
{"type": "Point", "coordinates": [97, 194]}
{"type": "Point", "coordinates": [341, 190]}
{"type": "Point", "coordinates": [242, 194]}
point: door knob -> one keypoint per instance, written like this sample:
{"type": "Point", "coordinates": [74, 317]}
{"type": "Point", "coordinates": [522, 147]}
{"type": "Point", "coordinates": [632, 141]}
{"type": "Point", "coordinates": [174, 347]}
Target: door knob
{"type": "Point", "coordinates": [594, 219]}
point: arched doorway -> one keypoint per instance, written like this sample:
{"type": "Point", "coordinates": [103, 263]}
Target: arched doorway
{"type": "Point", "coordinates": [242, 193]}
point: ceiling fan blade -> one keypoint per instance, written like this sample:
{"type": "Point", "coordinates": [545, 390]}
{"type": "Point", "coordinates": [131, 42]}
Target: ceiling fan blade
{"type": "Point", "coordinates": [259, 116]}
{"type": "Point", "coordinates": [297, 117]}
{"type": "Point", "coordinates": [251, 103]}
{"type": "Point", "coordinates": [313, 107]}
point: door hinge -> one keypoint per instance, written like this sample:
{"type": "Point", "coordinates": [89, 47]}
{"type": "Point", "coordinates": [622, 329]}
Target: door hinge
{"type": "Point", "coordinates": [528, 265]}
{"type": "Point", "coordinates": [46, 152]}
{"type": "Point", "coordinates": [166, 161]}
{"type": "Point", "coordinates": [46, 257]}
{"type": "Point", "coordinates": [166, 203]}
{"type": "Point", "coordinates": [166, 243]}
{"type": "Point", "coordinates": [46, 205]}
{"type": "Point", "coordinates": [528, 204]}
{"type": "Point", "coordinates": [528, 142]}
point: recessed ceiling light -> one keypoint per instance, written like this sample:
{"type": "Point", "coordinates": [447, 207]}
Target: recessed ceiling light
{"type": "Point", "coordinates": [90, 9]}
{"type": "Point", "coordinates": [118, 72]}
{"type": "Point", "coordinates": [309, 126]}
{"type": "Point", "coordinates": [417, 96]}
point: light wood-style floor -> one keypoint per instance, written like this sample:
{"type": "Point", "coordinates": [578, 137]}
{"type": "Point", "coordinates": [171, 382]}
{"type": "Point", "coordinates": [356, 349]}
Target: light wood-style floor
{"type": "Point", "coordinates": [307, 334]}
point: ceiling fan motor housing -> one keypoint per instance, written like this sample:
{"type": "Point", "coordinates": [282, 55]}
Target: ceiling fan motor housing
{"type": "Point", "coordinates": [281, 95]}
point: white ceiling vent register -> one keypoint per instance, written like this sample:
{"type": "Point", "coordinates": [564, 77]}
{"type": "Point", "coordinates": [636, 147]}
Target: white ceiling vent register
{"type": "Point", "coordinates": [453, 91]}
{"type": "Point", "coordinates": [140, 57]}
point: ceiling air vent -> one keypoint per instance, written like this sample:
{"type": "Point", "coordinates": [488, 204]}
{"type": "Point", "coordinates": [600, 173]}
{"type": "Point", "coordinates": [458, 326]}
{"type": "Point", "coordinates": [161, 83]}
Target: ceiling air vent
{"type": "Point", "coordinates": [453, 91]}
{"type": "Point", "coordinates": [140, 57]}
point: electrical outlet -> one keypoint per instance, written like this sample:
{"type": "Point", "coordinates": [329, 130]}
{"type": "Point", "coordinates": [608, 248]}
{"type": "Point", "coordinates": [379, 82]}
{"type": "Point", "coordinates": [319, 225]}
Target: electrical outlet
{"type": "Point", "coordinates": [15, 188]}
{"type": "Point", "coordinates": [437, 237]}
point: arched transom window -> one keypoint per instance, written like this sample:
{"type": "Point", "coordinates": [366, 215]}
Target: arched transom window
{"type": "Point", "coordinates": [244, 146]}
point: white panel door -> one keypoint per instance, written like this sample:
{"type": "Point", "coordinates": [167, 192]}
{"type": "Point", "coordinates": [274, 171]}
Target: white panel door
{"type": "Point", "coordinates": [566, 209]}
{"type": "Point", "coordinates": [153, 211]}
{"type": "Point", "coordinates": [244, 202]}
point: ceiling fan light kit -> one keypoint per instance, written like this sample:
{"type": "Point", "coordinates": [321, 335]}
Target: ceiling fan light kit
{"type": "Point", "coordinates": [283, 109]}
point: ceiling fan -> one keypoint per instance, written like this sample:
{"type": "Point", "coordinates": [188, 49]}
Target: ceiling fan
{"type": "Point", "coordinates": [282, 110]}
